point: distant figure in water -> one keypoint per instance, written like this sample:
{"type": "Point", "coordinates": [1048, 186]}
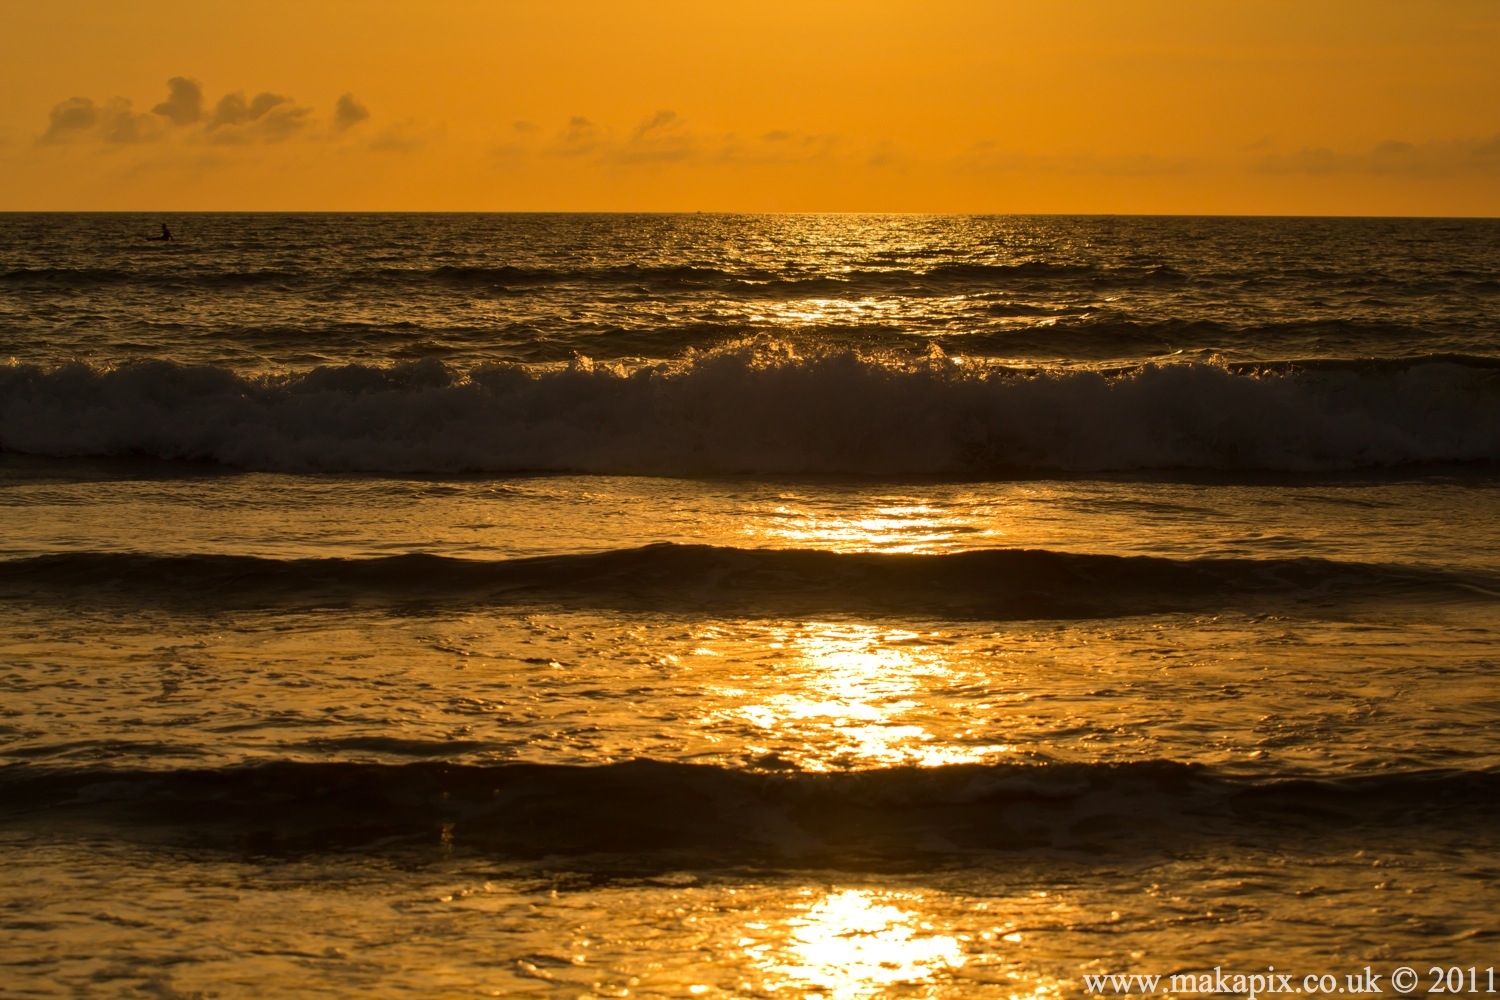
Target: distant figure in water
{"type": "Point", "coordinates": [166, 234]}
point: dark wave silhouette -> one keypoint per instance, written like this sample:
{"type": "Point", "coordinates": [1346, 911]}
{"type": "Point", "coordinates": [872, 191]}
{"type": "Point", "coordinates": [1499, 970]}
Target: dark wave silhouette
{"type": "Point", "coordinates": [761, 408]}
{"type": "Point", "coordinates": [999, 583]}
{"type": "Point", "coordinates": [851, 819]}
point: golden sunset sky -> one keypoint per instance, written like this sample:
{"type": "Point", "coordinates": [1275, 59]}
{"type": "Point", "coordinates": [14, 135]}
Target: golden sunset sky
{"type": "Point", "coordinates": [1378, 107]}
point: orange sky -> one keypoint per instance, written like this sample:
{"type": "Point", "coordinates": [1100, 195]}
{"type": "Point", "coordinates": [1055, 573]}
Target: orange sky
{"type": "Point", "coordinates": [1387, 107]}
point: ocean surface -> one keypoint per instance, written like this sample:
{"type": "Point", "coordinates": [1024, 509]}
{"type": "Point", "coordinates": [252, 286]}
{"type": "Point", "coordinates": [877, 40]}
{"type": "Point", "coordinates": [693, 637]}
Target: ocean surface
{"type": "Point", "coordinates": [763, 606]}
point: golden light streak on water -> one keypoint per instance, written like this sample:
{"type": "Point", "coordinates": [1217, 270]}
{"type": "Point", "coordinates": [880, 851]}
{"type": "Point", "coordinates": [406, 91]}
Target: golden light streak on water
{"type": "Point", "coordinates": [853, 695]}
{"type": "Point", "coordinates": [865, 309]}
{"type": "Point", "coordinates": [854, 943]}
{"type": "Point", "coordinates": [897, 524]}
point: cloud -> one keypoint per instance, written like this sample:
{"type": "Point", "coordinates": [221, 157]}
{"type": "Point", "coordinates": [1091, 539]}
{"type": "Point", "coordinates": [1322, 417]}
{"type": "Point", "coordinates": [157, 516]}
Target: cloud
{"type": "Point", "coordinates": [783, 145]}
{"type": "Point", "coordinates": [348, 113]}
{"type": "Point", "coordinates": [658, 124]}
{"type": "Point", "coordinates": [279, 122]}
{"type": "Point", "coordinates": [118, 123]}
{"type": "Point", "coordinates": [661, 137]}
{"type": "Point", "coordinates": [579, 138]}
{"type": "Point", "coordinates": [184, 103]}
{"type": "Point", "coordinates": [988, 157]}
{"type": "Point", "coordinates": [401, 137]}
{"type": "Point", "coordinates": [265, 118]}
{"type": "Point", "coordinates": [70, 118]}
{"type": "Point", "coordinates": [115, 122]}
{"type": "Point", "coordinates": [1437, 158]}
{"type": "Point", "coordinates": [1390, 158]}
{"type": "Point", "coordinates": [232, 109]}
{"type": "Point", "coordinates": [664, 138]}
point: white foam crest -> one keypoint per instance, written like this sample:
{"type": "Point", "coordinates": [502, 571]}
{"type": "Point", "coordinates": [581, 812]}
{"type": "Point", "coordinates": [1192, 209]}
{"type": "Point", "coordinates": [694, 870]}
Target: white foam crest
{"type": "Point", "coordinates": [750, 409]}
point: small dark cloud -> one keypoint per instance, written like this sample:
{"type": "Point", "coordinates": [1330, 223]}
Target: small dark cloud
{"type": "Point", "coordinates": [348, 113]}
{"type": "Point", "coordinates": [233, 109]}
{"type": "Point", "coordinates": [115, 121]}
{"type": "Point", "coordinates": [525, 127]}
{"type": "Point", "coordinates": [282, 123]}
{"type": "Point", "coordinates": [662, 138]}
{"type": "Point", "coordinates": [69, 118]}
{"type": "Point", "coordinates": [119, 123]}
{"type": "Point", "coordinates": [579, 138]}
{"type": "Point", "coordinates": [266, 117]}
{"type": "Point", "coordinates": [263, 103]}
{"type": "Point", "coordinates": [184, 103]}
{"type": "Point", "coordinates": [234, 120]}
{"type": "Point", "coordinates": [657, 123]}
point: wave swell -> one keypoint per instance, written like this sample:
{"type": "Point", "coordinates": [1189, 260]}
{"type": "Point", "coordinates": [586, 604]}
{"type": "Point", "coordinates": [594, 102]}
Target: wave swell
{"type": "Point", "coordinates": [754, 408]}
{"type": "Point", "coordinates": [998, 583]}
{"type": "Point", "coordinates": [849, 819]}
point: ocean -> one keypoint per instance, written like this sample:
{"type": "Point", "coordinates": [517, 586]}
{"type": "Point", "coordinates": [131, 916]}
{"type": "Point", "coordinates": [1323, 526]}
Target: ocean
{"type": "Point", "coordinates": [764, 606]}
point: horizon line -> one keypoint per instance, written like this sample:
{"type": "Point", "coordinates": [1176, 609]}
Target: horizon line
{"type": "Point", "coordinates": [719, 212]}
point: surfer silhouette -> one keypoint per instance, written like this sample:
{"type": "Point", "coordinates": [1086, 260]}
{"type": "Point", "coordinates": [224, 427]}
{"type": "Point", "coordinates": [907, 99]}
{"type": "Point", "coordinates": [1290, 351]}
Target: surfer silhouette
{"type": "Point", "coordinates": [166, 234]}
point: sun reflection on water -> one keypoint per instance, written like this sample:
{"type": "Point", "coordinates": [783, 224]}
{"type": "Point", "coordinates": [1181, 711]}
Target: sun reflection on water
{"type": "Point", "coordinates": [852, 944]}
{"type": "Point", "coordinates": [855, 695]}
{"type": "Point", "coordinates": [896, 525]}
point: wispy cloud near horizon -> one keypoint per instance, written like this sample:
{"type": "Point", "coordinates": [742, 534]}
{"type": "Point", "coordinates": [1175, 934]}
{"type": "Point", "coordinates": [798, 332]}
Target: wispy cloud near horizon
{"type": "Point", "coordinates": [664, 139]}
{"type": "Point", "coordinates": [1393, 157]}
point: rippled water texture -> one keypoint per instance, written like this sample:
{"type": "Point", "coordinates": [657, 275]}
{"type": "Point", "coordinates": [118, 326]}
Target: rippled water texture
{"type": "Point", "coordinates": [265, 293]}
{"type": "Point", "coordinates": [678, 606]}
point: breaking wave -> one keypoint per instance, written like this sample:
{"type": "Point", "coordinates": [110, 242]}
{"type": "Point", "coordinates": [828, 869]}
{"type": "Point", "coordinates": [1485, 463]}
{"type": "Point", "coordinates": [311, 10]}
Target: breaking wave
{"type": "Point", "coordinates": [761, 408]}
